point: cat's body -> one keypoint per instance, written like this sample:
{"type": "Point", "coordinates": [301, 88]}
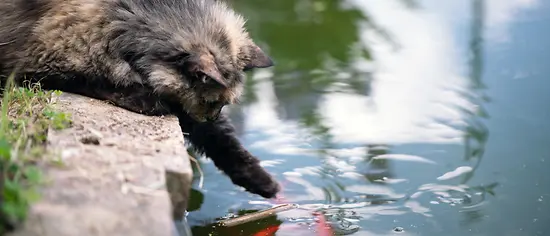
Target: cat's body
{"type": "Point", "coordinates": [155, 57]}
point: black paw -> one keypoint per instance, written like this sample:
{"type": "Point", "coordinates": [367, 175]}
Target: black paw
{"type": "Point", "coordinates": [256, 180]}
{"type": "Point", "coordinates": [266, 189]}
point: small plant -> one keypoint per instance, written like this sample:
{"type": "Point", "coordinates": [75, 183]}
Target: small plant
{"type": "Point", "coordinates": [25, 116]}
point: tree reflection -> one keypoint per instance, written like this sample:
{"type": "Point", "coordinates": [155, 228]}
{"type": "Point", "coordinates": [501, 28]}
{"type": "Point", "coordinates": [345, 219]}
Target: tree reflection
{"type": "Point", "coordinates": [311, 41]}
{"type": "Point", "coordinates": [476, 133]}
{"type": "Point", "coordinates": [300, 33]}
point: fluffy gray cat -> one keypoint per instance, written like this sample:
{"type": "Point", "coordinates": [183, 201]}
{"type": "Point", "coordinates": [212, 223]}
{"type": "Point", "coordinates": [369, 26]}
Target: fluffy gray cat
{"type": "Point", "coordinates": [155, 57]}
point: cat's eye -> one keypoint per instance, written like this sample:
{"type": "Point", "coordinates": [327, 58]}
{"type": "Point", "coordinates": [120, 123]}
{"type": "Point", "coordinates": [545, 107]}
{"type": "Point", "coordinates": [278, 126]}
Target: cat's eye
{"type": "Point", "coordinates": [204, 77]}
{"type": "Point", "coordinates": [209, 79]}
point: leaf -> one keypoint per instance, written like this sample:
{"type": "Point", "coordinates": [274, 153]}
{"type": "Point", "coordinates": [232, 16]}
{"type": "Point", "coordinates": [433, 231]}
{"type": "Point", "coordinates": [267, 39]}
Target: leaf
{"type": "Point", "coordinates": [17, 211]}
{"type": "Point", "coordinates": [31, 195]}
{"type": "Point", "coordinates": [5, 149]}
{"type": "Point", "coordinates": [33, 175]}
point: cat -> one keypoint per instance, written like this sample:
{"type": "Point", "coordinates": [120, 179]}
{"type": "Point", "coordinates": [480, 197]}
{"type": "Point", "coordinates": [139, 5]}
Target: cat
{"type": "Point", "coordinates": [155, 57]}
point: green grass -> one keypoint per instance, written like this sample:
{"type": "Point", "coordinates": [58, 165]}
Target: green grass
{"type": "Point", "coordinates": [25, 116]}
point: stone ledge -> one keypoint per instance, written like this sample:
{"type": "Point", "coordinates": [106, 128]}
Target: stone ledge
{"type": "Point", "coordinates": [114, 179]}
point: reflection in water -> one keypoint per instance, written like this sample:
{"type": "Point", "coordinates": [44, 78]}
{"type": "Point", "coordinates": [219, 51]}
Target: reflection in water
{"type": "Point", "coordinates": [249, 228]}
{"type": "Point", "coordinates": [477, 133]}
{"type": "Point", "coordinates": [297, 34]}
{"type": "Point", "coordinates": [364, 118]}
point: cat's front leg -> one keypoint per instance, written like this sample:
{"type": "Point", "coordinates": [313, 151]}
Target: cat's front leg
{"type": "Point", "coordinates": [133, 97]}
{"type": "Point", "coordinates": [217, 140]}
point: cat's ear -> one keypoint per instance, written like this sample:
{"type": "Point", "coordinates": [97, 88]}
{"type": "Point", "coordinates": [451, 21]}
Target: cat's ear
{"type": "Point", "coordinates": [258, 58]}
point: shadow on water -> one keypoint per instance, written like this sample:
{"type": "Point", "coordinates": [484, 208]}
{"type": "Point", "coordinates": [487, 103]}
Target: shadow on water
{"type": "Point", "coordinates": [380, 178]}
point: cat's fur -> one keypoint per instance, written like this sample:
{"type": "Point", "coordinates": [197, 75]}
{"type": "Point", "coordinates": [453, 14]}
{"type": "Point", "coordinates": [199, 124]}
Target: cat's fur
{"type": "Point", "coordinates": [155, 57]}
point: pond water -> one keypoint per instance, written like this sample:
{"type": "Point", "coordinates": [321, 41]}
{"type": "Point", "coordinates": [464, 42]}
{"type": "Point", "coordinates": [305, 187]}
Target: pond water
{"type": "Point", "coordinates": [423, 117]}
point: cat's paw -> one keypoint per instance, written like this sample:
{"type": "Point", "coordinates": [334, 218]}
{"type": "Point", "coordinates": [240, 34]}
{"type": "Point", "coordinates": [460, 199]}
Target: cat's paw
{"type": "Point", "coordinates": [255, 179]}
{"type": "Point", "coordinates": [267, 188]}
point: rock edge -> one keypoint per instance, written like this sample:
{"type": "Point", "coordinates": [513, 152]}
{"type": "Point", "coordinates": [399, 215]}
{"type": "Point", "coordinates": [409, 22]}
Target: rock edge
{"type": "Point", "coordinates": [122, 173]}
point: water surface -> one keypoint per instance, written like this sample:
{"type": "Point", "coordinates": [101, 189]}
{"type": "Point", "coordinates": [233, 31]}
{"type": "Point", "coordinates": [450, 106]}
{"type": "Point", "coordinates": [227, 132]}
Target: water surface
{"type": "Point", "coordinates": [395, 117]}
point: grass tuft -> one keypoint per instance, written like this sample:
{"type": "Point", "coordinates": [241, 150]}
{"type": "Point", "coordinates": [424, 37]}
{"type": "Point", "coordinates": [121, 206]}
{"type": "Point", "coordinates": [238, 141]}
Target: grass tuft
{"type": "Point", "coordinates": [25, 116]}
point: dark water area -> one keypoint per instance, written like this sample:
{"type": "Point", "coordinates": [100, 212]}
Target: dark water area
{"type": "Point", "coordinates": [397, 117]}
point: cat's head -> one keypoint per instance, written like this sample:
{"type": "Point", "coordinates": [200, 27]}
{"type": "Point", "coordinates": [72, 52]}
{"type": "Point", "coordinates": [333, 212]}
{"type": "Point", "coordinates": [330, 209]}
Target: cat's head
{"type": "Point", "coordinates": [194, 51]}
